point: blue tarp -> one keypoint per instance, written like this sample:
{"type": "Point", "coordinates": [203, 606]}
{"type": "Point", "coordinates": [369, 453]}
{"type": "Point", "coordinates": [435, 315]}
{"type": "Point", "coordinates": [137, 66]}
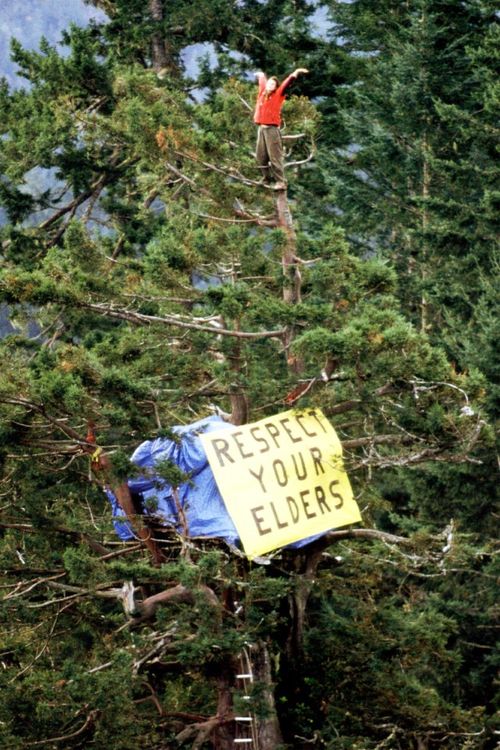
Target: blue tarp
{"type": "Point", "coordinates": [202, 505]}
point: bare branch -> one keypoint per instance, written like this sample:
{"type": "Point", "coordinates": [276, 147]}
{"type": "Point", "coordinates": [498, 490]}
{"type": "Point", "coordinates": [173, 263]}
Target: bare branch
{"type": "Point", "coordinates": [119, 552]}
{"type": "Point", "coordinates": [63, 738]}
{"type": "Point", "coordinates": [383, 536]}
{"type": "Point", "coordinates": [301, 161]}
{"type": "Point", "coordinates": [92, 192]}
{"type": "Point", "coordinates": [245, 103]}
{"type": "Point", "coordinates": [60, 424]}
{"type": "Point", "coordinates": [33, 584]}
{"type": "Point", "coordinates": [261, 221]}
{"type": "Point", "coordinates": [80, 535]}
{"type": "Point", "coordinates": [253, 220]}
{"type": "Point", "coordinates": [156, 650]}
{"type": "Point", "coordinates": [409, 459]}
{"type": "Point", "coordinates": [294, 137]}
{"type": "Point", "coordinates": [230, 172]}
{"type": "Point", "coordinates": [375, 440]}
{"type": "Point", "coordinates": [72, 206]}
{"type": "Point", "coordinates": [102, 591]}
{"type": "Point", "coordinates": [344, 406]}
{"type": "Point", "coordinates": [189, 181]}
{"type": "Point", "coordinates": [179, 593]}
{"type": "Point", "coordinates": [201, 731]}
{"type": "Point", "coordinates": [141, 319]}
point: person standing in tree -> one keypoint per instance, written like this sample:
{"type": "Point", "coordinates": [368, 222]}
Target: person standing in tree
{"type": "Point", "coordinates": [269, 152]}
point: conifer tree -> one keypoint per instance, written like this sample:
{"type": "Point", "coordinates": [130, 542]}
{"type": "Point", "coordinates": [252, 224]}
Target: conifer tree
{"type": "Point", "coordinates": [148, 280]}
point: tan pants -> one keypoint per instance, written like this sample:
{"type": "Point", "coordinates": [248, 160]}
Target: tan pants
{"type": "Point", "coordinates": [269, 153]}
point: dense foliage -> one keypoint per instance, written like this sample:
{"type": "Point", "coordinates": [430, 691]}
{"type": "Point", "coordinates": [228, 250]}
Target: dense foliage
{"type": "Point", "coordinates": [149, 282]}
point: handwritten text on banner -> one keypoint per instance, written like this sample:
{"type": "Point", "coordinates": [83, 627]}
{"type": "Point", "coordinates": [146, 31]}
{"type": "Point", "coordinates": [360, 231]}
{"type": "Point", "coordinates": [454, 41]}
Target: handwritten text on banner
{"type": "Point", "coordinates": [282, 479]}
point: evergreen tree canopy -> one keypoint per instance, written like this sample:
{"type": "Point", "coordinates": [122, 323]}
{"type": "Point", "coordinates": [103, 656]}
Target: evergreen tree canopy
{"type": "Point", "coordinates": [151, 278]}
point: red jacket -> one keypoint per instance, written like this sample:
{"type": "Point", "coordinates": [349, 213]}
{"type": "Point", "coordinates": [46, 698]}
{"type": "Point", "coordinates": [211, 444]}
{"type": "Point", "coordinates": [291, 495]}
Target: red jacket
{"type": "Point", "coordinates": [268, 106]}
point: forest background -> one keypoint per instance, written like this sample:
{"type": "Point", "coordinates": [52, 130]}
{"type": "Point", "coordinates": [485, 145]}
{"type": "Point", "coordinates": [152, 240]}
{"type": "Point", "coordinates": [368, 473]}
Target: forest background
{"type": "Point", "coordinates": [147, 279]}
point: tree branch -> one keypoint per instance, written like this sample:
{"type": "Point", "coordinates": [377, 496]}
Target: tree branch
{"type": "Point", "coordinates": [252, 220]}
{"type": "Point", "coordinates": [231, 172]}
{"type": "Point", "coordinates": [376, 440]}
{"type": "Point", "coordinates": [201, 731]}
{"type": "Point", "coordinates": [344, 406]}
{"type": "Point", "coordinates": [141, 319]}
{"type": "Point", "coordinates": [301, 161]}
{"type": "Point", "coordinates": [80, 535]}
{"type": "Point", "coordinates": [63, 738]}
{"type": "Point", "coordinates": [383, 536]}
{"type": "Point", "coordinates": [121, 491]}
{"type": "Point", "coordinates": [94, 189]}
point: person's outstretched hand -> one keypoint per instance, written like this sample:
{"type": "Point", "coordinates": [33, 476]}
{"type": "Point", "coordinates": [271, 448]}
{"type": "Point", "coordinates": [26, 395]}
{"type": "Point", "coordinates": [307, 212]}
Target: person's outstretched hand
{"type": "Point", "coordinates": [298, 71]}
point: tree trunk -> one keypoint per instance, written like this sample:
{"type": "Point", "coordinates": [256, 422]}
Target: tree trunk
{"type": "Point", "coordinates": [291, 290]}
{"type": "Point", "coordinates": [239, 408]}
{"type": "Point", "coordinates": [267, 729]}
{"type": "Point", "coordinates": [223, 736]}
{"type": "Point", "coordinates": [264, 731]}
{"type": "Point", "coordinates": [291, 272]}
{"type": "Point", "coordinates": [306, 566]}
{"type": "Point", "coordinates": [425, 221]}
{"type": "Point", "coordinates": [239, 401]}
{"type": "Point", "coordinates": [161, 54]}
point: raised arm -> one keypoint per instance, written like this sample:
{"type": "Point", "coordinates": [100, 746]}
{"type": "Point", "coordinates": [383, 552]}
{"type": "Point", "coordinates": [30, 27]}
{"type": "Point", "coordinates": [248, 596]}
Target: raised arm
{"type": "Point", "coordinates": [296, 73]}
{"type": "Point", "coordinates": [262, 80]}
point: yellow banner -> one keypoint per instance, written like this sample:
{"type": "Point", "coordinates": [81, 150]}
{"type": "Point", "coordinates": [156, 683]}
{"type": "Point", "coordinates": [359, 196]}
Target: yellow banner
{"type": "Point", "coordinates": [282, 479]}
